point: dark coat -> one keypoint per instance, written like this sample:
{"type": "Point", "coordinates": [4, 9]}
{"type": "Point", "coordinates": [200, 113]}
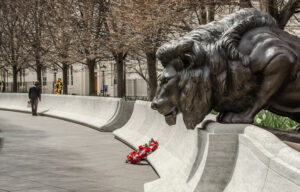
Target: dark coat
{"type": "Point", "coordinates": [34, 92]}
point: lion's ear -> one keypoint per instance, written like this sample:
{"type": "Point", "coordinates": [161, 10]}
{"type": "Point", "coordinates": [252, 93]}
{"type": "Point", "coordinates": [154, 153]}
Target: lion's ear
{"type": "Point", "coordinates": [188, 60]}
{"type": "Point", "coordinates": [195, 57]}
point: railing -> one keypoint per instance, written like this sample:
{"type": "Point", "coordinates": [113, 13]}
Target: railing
{"type": "Point", "coordinates": [23, 87]}
{"type": "Point", "coordinates": [136, 89]}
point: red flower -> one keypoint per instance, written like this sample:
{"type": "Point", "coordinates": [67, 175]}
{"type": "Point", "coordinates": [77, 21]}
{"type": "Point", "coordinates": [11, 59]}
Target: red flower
{"type": "Point", "coordinates": [141, 147]}
{"type": "Point", "coordinates": [147, 149]}
{"type": "Point", "coordinates": [143, 151]}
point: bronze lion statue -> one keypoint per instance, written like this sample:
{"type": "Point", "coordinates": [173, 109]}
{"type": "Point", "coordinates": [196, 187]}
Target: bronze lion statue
{"type": "Point", "coordinates": [236, 66]}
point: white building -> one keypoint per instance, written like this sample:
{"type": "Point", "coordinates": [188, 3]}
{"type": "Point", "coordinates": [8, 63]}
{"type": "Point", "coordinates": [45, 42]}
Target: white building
{"type": "Point", "coordinates": [78, 80]}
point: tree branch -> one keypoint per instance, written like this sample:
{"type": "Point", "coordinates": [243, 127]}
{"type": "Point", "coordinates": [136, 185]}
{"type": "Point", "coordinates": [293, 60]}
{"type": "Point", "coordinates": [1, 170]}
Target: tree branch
{"type": "Point", "coordinates": [287, 12]}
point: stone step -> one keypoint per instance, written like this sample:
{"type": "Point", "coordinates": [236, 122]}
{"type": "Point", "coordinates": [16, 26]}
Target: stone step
{"type": "Point", "coordinates": [222, 151]}
{"type": "Point", "coordinates": [223, 138]}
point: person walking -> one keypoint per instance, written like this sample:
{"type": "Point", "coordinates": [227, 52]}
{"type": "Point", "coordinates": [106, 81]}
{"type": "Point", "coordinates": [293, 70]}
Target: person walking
{"type": "Point", "coordinates": [34, 96]}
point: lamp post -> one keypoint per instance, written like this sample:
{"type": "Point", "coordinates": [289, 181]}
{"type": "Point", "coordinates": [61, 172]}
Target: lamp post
{"type": "Point", "coordinates": [102, 68]}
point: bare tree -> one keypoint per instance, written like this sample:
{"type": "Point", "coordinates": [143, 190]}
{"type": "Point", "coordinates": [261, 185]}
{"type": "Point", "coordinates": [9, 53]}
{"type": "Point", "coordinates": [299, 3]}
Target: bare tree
{"type": "Point", "coordinates": [283, 10]}
{"type": "Point", "coordinates": [36, 35]}
{"type": "Point", "coordinates": [13, 25]}
{"type": "Point", "coordinates": [148, 25]}
{"type": "Point", "coordinates": [59, 28]}
{"type": "Point", "coordinates": [119, 40]}
{"type": "Point", "coordinates": [245, 3]}
{"type": "Point", "coordinates": [90, 17]}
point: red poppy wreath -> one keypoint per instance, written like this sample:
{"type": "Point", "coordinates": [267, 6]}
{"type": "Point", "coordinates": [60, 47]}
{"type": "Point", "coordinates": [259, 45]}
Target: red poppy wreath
{"type": "Point", "coordinates": [142, 152]}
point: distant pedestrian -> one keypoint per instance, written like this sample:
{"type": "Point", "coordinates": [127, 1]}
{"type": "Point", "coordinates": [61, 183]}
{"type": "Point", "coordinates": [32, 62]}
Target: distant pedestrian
{"type": "Point", "coordinates": [34, 96]}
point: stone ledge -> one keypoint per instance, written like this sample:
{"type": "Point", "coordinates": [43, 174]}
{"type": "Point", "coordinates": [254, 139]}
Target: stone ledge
{"type": "Point", "coordinates": [177, 160]}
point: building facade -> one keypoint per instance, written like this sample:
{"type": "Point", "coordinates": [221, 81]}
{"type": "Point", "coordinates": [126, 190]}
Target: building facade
{"type": "Point", "coordinates": [78, 80]}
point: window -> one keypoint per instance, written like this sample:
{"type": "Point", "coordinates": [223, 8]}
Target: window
{"type": "Point", "coordinates": [44, 76]}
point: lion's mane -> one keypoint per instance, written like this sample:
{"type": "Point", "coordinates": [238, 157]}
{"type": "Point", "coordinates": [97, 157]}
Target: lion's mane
{"type": "Point", "coordinates": [214, 43]}
{"type": "Point", "coordinates": [219, 36]}
{"type": "Point", "coordinates": [196, 91]}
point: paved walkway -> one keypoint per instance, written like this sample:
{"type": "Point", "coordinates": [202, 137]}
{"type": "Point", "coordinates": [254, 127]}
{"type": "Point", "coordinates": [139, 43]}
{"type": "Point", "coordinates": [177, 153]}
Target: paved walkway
{"type": "Point", "coordinates": [41, 154]}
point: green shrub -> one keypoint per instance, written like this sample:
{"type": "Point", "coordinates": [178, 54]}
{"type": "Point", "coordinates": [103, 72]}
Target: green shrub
{"type": "Point", "coordinates": [268, 119]}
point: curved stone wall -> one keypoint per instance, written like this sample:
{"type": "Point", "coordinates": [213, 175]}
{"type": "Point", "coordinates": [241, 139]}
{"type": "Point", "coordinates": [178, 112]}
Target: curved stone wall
{"type": "Point", "coordinates": [213, 158]}
{"type": "Point", "coordinates": [177, 152]}
{"type": "Point", "coordinates": [92, 111]}
{"type": "Point", "coordinates": [265, 164]}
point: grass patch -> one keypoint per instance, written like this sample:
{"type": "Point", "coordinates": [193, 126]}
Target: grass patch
{"type": "Point", "coordinates": [214, 112]}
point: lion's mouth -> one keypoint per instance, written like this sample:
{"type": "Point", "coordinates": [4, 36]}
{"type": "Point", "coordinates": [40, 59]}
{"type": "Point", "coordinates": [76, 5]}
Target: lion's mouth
{"type": "Point", "coordinates": [171, 116]}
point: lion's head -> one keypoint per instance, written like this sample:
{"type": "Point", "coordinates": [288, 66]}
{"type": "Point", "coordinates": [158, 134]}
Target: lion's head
{"type": "Point", "coordinates": [185, 83]}
{"type": "Point", "coordinates": [188, 61]}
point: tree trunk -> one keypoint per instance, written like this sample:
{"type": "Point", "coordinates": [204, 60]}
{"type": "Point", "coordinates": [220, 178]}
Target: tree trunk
{"type": "Point", "coordinates": [283, 16]}
{"type": "Point", "coordinates": [37, 43]}
{"type": "Point", "coordinates": [273, 8]}
{"type": "Point", "coordinates": [203, 15]}
{"type": "Point", "coordinates": [287, 12]}
{"type": "Point", "coordinates": [245, 3]}
{"type": "Point", "coordinates": [211, 11]}
{"type": "Point", "coordinates": [120, 76]}
{"type": "Point", "coordinates": [91, 66]}
{"type": "Point", "coordinates": [124, 72]}
{"type": "Point", "coordinates": [65, 78]}
{"type": "Point", "coordinates": [15, 79]}
{"type": "Point", "coordinates": [4, 85]}
{"type": "Point", "coordinates": [151, 64]}
{"type": "Point", "coordinates": [39, 73]}
{"type": "Point", "coordinates": [120, 58]}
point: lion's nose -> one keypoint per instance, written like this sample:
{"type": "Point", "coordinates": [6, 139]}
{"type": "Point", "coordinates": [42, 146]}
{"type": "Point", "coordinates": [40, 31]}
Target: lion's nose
{"type": "Point", "coordinates": [154, 105]}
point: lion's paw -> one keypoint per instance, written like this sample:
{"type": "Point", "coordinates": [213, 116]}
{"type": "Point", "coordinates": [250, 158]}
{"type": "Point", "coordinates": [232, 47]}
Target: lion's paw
{"type": "Point", "coordinates": [224, 117]}
{"type": "Point", "coordinates": [234, 118]}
